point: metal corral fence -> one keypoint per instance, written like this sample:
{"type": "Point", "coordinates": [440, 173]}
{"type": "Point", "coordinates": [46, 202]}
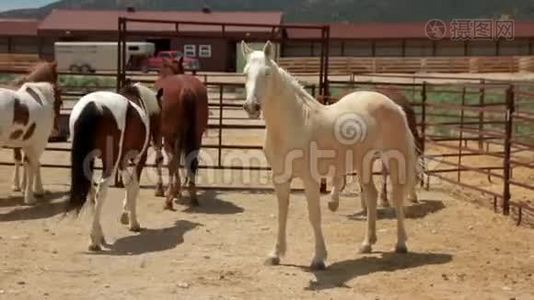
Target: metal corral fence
{"type": "Point", "coordinates": [478, 134]}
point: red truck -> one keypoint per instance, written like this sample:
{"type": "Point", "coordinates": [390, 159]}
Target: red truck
{"type": "Point", "coordinates": [154, 63]}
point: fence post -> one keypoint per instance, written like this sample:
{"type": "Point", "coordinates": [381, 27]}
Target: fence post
{"type": "Point", "coordinates": [461, 135]}
{"type": "Point", "coordinates": [481, 104]}
{"type": "Point", "coordinates": [219, 150]}
{"type": "Point", "coordinates": [507, 147]}
{"type": "Point", "coordinates": [423, 129]}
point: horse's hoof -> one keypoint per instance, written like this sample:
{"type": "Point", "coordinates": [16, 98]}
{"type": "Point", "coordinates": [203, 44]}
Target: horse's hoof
{"type": "Point", "coordinates": [317, 266]}
{"type": "Point", "coordinates": [333, 205]}
{"type": "Point", "coordinates": [413, 200]}
{"type": "Point", "coordinates": [30, 201]}
{"type": "Point", "coordinates": [364, 249]}
{"type": "Point", "coordinates": [384, 204]}
{"type": "Point", "coordinates": [16, 188]}
{"type": "Point", "coordinates": [135, 228]}
{"type": "Point", "coordinates": [168, 206]}
{"type": "Point", "coordinates": [402, 249]}
{"type": "Point", "coordinates": [159, 193]}
{"type": "Point", "coordinates": [125, 219]}
{"type": "Point", "coordinates": [272, 261]}
{"type": "Point", "coordinates": [95, 248]}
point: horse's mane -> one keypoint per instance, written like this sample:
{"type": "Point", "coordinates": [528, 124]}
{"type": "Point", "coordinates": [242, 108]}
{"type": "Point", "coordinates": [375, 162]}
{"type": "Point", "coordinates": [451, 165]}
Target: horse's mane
{"type": "Point", "coordinates": [301, 93]}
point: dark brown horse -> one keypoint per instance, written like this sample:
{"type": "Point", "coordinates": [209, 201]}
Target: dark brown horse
{"type": "Point", "coordinates": [41, 72]}
{"type": "Point", "coordinates": [184, 118]}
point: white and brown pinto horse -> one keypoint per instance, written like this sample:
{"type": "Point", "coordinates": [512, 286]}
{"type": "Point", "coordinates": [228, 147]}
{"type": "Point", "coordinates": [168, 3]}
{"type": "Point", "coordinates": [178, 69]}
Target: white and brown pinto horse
{"type": "Point", "coordinates": [307, 140]}
{"type": "Point", "coordinates": [41, 72]}
{"type": "Point", "coordinates": [26, 120]}
{"type": "Point", "coordinates": [115, 128]}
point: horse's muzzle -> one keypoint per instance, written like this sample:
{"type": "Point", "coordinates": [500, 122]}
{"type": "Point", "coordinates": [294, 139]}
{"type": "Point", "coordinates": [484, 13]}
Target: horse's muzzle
{"type": "Point", "coordinates": [252, 108]}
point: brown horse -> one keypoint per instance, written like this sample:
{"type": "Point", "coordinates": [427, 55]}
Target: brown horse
{"type": "Point", "coordinates": [184, 118]}
{"type": "Point", "coordinates": [116, 128]}
{"type": "Point", "coordinates": [41, 72]}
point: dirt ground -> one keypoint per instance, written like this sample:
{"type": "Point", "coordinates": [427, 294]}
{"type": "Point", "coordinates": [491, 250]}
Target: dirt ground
{"type": "Point", "coordinates": [458, 249]}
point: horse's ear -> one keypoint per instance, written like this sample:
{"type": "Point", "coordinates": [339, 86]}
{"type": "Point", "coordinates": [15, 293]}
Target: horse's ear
{"type": "Point", "coordinates": [159, 94]}
{"type": "Point", "coordinates": [268, 49]}
{"type": "Point", "coordinates": [127, 81]}
{"type": "Point", "coordinates": [245, 49]}
{"type": "Point", "coordinates": [53, 64]}
{"type": "Point", "coordinates": [180, 60]}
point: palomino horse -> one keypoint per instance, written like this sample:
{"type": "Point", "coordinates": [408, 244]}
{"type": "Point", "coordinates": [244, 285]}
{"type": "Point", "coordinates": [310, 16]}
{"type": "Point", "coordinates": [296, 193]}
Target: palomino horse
{"type": "Point", "coordinates": [305, 139]}
{"type": "Point", "coordinates": [401, 100]}
{"type": "Point", "coordinates": [42, 72]}
{"type": "Point", "coordinates": [184, 118]}
{"type": "Point", "coordinates": [116, 128]}
{"type": "Point", "coordinates": [26, 120]}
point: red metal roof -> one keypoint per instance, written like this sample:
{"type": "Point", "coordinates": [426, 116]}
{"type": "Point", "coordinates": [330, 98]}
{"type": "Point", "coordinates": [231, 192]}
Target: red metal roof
{"type": "Point", "coordinates": [106, 21]}
{"type": "Point", "coordinates": [18, 27]}
{"type": "Point", "coordinates": [405, 30]}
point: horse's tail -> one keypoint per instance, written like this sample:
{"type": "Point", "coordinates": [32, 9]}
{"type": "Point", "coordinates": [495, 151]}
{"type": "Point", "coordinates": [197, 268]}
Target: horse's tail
{"type": "Point", "coordinates": [83, 143]}
{"type": "Point", "coordinates": [190, 127]}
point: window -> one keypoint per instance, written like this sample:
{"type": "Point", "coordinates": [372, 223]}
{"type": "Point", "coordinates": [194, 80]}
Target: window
{"type": "Point", "coordinates": [204, 50]}
{"type": "Point", "coordinates": [133, 48]}
{"type": "Point", "coordinates": [190, 50]}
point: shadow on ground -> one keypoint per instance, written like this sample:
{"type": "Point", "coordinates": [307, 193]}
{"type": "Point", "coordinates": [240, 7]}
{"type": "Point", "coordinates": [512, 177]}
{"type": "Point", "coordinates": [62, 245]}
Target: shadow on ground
{"type": "Point", "coordinates": [411, 211]}
{"type": "Point", "coordinates": [210, 203]}
{"type": "Point", "coordinates": [339, 273]}
{"type": "Point", "coordinates": [47, 206]}
{"type": "Point", "coordinates": [151, 240]}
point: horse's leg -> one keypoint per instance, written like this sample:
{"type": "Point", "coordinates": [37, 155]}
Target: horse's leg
{"type": "Point", "coordinates": [38, 188]}
{"type": "Point", "coordinates": [282, 194]}
{"type": "Point", "coordinates": [30, 165]}
{"type": "Point", "coordinates": [413, 195]}
{"type": "Point", "coordinates": [159, 192]}
{"type": "Point", "coordinates": [312, 191]}
{"type": "Point", "coordinates": [338, 184]}
{"type": "Point", "coordinates": [172, 166]}
{"type": "Point", "coordinates": [191, 165]}
{"type": "Point", "coordinates": [96, 235]}
{"type": "Point", "coordinates": [398, 196]}
{"type": "Point", "coordinates": [384, 196]}
{"type": "Point", "coordinates": [369, 195]}
{"type": "Point", "coordinates": [132, 190]}
{"type": "Point", "coordinates": [17, 157]}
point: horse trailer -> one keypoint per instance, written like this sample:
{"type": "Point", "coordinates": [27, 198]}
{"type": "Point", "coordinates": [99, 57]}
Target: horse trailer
{"type": "Point", "coordinates": [87, 57]}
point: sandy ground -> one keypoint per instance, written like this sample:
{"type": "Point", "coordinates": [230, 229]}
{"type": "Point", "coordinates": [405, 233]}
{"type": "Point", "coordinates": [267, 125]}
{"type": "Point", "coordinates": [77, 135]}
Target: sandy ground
{"type": "Point", "coordinates": [459, 250]}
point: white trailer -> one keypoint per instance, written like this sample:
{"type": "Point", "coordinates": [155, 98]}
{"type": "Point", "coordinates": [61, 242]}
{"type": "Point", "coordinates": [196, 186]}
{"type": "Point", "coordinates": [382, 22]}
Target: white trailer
{"type": "Point", "coordinates": [86, 57]}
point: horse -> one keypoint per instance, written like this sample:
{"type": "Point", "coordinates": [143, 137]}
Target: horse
{"type": "Point", "coordinates": [184, 118]}
{"type": "Point", "coordinates": [42, 72]}
{"type": "Point", "coordinates": [401, 100]}
{"type": "Point", "coordinates": [114, 127]}
{"type": "Point", "coordinates": [308, 140]}
{"type": "Point", "coordinates": [26, 121]}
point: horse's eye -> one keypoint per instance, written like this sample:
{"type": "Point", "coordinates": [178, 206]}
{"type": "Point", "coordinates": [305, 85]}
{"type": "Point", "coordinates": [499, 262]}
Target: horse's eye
{"type": "Point", "coordinates": [267, 72]}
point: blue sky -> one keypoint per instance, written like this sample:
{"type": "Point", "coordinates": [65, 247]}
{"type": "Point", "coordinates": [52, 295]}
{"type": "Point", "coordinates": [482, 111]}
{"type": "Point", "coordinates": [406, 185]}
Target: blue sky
{"type": "Point", "coordinates": [12, 4]}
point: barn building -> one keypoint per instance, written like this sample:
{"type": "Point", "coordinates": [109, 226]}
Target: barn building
{"type": "Point", "coordinates": [19, 36]}
{"type": "Point", "coordinates": [408, 40]}
{"type": "Point", "coordinates": [215, 51]}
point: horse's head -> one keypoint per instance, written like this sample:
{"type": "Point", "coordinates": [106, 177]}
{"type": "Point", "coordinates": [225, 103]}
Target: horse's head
{"type": "Point", "coordinates": [171, 67]}
{"type": "Point", "coordinates": [258, 71]}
